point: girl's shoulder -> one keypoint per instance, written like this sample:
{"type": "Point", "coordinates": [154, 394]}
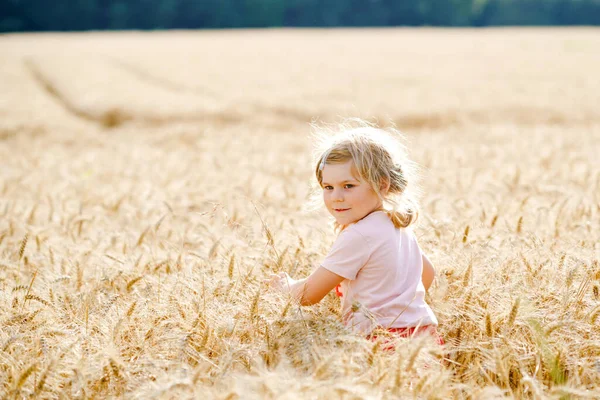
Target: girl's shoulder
{"type": "Point", "coordinates": [376, 224]}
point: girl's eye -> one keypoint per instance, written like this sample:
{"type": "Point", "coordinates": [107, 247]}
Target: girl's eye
{"type": "Point", "coordinates": [346, 186]}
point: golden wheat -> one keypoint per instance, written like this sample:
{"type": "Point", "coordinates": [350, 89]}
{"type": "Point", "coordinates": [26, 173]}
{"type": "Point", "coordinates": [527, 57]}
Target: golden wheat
{"type": "Point", "coordinates": [163, 176]}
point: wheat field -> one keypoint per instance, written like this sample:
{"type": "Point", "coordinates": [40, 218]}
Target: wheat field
{"type": "Point", "coordinates": [149, 182]}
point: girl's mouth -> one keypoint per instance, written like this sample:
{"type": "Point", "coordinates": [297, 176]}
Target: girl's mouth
{"type": "Point", "coordinates": [341, 209]}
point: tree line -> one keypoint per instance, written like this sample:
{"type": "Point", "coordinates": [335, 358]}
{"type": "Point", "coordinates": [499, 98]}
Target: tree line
{"type": "Point", "coordinates": [78, 15]}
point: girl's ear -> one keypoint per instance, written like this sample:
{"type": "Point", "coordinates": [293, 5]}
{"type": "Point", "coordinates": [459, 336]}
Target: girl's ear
{"type": "Point", "coordinates": [385, 186]}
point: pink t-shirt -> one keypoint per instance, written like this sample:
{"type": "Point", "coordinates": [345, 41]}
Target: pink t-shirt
{"type": "Point", "coordinates": [383, 267]}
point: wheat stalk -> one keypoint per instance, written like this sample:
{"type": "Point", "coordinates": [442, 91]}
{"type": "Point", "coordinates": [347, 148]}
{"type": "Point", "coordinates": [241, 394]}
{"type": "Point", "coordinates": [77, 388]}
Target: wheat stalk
{"type": "Point", "coordinates": [513, 312]}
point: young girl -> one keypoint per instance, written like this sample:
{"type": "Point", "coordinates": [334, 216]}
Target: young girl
{"type": "Point", "coordinates": [375, 265]}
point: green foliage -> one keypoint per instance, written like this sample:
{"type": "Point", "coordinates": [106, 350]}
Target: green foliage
{"type": "Point", "coordinates": [263, 13]}
{"type": "Point", "coordinates": [38, 15]}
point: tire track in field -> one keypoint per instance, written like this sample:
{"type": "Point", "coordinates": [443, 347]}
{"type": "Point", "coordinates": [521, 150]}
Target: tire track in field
{"type": "Point", "coordinates": [284, 113]}
{"type": "Point", "coordinates": [47, 86]}
{"type": "Point", "coordinates": [434, 120]}
{"type": "Point", "coordinates": [167, 84]}
{"type": "Point", "coordinates": [114, 118]}
{"type": "Point", "coordinates": [161, 82]}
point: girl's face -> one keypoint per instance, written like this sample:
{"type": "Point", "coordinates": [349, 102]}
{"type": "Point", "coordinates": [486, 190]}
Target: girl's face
{"type": "Point", "coordinates": [346, 197]}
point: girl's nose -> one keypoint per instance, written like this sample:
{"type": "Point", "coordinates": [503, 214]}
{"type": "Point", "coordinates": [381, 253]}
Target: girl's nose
{"type": "Point", "coordinates": [338, 195]}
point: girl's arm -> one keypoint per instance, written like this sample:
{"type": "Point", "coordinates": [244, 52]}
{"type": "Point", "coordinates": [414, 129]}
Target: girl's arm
{"type": "Point", "coordinates": [428, 273]}
{"type": "Point", "coordinates": [310, 290]}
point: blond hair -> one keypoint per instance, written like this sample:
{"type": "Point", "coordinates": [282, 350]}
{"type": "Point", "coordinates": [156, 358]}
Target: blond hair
{"type": "Point", "coordinates": [379, 159]}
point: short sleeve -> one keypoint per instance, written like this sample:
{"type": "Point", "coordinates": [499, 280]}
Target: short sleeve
{"type": "Point", "coordinates": [348, 255]}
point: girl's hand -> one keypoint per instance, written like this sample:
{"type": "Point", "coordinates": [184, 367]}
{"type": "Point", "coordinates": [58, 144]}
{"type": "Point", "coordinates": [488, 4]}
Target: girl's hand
{"type": "Point", "coordinates": [309, 290]}
{"type": "Point", "coordinates": [281, 282]}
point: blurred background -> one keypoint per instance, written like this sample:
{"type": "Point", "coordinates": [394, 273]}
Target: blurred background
{"type": "Point", "coordinates": [78, 15]}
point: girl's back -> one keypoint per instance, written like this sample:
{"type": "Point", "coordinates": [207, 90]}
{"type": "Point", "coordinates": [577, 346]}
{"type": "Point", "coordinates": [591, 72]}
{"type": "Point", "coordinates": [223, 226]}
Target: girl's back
{"type": "Point", "coordinates": [382, 265]}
